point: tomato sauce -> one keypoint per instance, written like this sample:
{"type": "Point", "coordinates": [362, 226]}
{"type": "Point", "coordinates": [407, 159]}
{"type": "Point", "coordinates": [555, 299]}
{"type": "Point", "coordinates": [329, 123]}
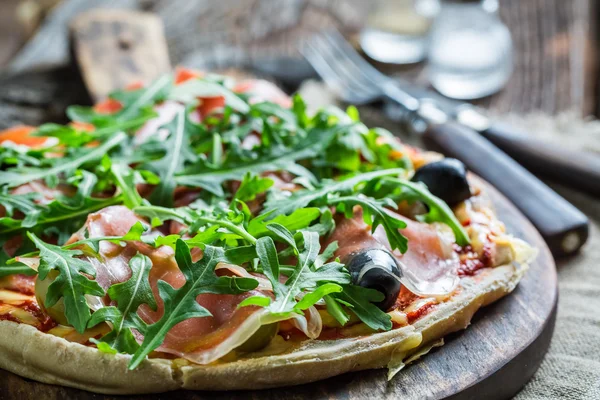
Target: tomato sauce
{"type": "Point", "coordinates": [470, 262]}
{"type": "Point", "coordinates": [46, 323]}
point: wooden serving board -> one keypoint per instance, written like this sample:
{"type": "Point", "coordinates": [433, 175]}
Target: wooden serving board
{"type": "Point", "coordinates": [492, 359]}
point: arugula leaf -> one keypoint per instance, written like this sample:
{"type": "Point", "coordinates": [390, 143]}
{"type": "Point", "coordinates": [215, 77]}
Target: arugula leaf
{"type": "Point", "coordinates": [299, 219]}
{"type": "Point", "coordinates": [125, 181]}
{"type": "Point", "coordinates": [171, 162]}
{"type": "Point", "coordinates": [21, 176]}
{"type": "Point", "coordinates": [15, 268]}
{"type": "Point", "coordinates": [360, 300]}
{"type": "Point", "coordinates": [24, 203]}
{"type": "Point", "coordinates": [302, 198]}
{"type": "Point", "coordinates": [128, 295]}
{"type": "Point", "coordinates": [231, 220]}
{"type": "Point", "coordinates": [251, 186]}
{"type": "Point", "coordinates": [62, 214]}
{"type": "Point", "coordinates": [335, 310]}
{"type": "Point", "coordinates": [305, 279]}
{"type": "Point", "coordinates": [275, 158]}
{"type": "Point", "coordinates": [70, 284]}
{"type": "Point", "coordinates": [180, 304]}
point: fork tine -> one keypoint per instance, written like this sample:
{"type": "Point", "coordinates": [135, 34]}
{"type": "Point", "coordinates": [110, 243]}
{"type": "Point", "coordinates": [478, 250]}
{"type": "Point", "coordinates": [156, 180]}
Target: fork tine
{"type": "Point", "coordinates": [336, 81]}
{"type": "Point", "coordinates": [368, 73]}
{"type": "Point", "coordinates": [330, 77]}
{"type": "Point", "coordinates": [344, 68]}
{"type": "Point", "coordinates": [338, 42]}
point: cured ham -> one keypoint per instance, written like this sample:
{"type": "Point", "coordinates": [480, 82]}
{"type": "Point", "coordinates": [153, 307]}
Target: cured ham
{"type": "Point", "coordinates": [429, 266]}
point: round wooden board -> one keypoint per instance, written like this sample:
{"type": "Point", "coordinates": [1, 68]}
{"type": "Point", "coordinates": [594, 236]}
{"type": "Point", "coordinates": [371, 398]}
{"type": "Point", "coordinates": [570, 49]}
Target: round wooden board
{"type": "Point", "coordinates": [492, 359]}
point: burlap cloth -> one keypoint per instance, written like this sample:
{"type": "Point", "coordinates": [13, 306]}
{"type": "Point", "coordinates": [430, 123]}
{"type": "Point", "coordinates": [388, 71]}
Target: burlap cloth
{"type": "Point", "coordinates": [571, 368]}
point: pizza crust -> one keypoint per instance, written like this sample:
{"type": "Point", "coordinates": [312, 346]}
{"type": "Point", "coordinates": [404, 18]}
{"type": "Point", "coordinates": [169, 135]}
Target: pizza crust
{"type": "Point", "coordinates": [49, 359]}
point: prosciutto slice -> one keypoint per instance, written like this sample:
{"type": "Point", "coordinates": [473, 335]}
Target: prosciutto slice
{"type": "Point", "coordinates": [429, 266]}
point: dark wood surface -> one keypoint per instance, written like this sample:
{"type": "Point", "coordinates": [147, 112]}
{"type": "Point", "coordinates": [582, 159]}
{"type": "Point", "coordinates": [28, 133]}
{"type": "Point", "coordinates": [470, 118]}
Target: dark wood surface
{"type": "Point", "coordinates": [492, 359]}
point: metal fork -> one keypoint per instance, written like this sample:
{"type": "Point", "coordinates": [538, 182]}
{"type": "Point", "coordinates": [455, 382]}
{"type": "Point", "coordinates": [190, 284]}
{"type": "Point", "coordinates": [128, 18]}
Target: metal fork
{"type": "Point", "coordinates": [356, 81]}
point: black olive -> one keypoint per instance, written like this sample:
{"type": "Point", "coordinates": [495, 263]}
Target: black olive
{"type": "Point", "coordinates": [376, 269]}
{"type": "Point", "coordinates": [446, 179]}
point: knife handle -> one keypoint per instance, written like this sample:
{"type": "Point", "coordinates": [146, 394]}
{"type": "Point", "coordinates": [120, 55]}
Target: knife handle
{"type": "Point", "coordinates": [564, 228]}
{"type": "Point", "coordinates": [578, 169]}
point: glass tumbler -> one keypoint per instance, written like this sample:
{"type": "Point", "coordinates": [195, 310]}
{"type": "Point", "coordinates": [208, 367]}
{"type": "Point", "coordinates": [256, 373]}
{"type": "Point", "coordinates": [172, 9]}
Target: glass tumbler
{"type": "Point", "coordinates": [470, 51]}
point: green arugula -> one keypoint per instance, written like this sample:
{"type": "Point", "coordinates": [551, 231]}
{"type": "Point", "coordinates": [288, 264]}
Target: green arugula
{"type": "Point", "coordinates": [129, 296]}
{"type": "Point", "coordinates": [25, 203]}
{"type": "Point", "coordinates": [171, 162]}
{"type": "Point", "coordinates": [314, 283]}
{"type": "Point", "coordinates": [61, 214]}
{"type": "Point", "coordinates": [277, 205]}
{"type": "Point", "coordinates": [273, 158]}
{"type": "Point", "coordinates": [14, 268]}
{"type": "Point", "coordinates": [70, 284]}
{"type": "Point", "coordinates": [251, 186]}
{"type": "Point", "coordinates": [125, 180]}
{"type": "Point", "coordinates": [180, 304]}
{"type": "Point", "coordinates": [360, 300]}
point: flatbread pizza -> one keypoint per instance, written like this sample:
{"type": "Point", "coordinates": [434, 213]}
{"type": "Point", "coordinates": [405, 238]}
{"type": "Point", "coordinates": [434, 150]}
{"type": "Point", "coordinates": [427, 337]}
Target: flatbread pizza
{"type": "Point", "coordinates": [201, 233]}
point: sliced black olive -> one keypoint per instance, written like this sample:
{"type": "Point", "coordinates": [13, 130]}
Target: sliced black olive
{"type": "Point", "coordinates": [376, 269]}
{"type": "Point", "coordinates": [260, 339]}
{"type": "Point", "coordinates": [446, 179]}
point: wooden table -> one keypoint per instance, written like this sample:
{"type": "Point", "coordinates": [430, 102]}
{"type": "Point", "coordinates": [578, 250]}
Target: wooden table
{"type": "Point", "coordinates": [554, 40]}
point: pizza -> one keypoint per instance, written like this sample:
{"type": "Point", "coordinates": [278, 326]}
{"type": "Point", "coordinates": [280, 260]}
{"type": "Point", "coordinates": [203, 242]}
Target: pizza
{"type": "Point", "coordinates": [201, 233]}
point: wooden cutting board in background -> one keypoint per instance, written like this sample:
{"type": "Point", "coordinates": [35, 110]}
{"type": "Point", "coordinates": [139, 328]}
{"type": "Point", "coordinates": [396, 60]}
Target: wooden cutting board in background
{"type": "Point", "coordinates": [492, 359]}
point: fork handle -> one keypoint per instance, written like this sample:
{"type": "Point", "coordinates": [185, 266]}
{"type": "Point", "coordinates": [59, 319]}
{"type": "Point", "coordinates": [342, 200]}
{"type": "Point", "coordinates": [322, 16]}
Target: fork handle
{"type": "Point", "coordinates": [564, 228]}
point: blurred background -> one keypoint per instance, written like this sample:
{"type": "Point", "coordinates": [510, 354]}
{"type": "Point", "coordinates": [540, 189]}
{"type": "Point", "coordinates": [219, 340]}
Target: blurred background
{"type": "Point", "coordinates": [552, 54]}
{"type": "Point", "coordinates": [530, 63]}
